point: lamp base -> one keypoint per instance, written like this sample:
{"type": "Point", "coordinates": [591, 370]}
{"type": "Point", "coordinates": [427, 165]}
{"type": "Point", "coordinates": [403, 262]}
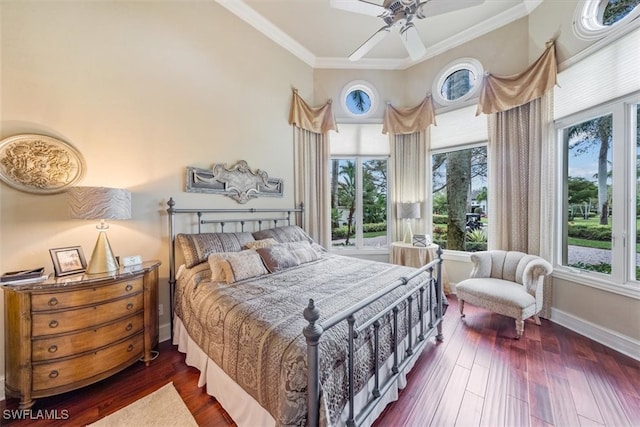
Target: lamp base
{"type": "Point", "coordinates": [408, 233]}
{"type": "Point", "coordinates": [102, 259]}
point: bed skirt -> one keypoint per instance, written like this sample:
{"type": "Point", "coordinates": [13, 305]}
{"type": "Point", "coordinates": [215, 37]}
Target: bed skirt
{"type": "Point", "coordinates": [246, 411]}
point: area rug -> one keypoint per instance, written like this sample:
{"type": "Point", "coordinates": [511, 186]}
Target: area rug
{"type": "Point", "coordinates": [163, 407]}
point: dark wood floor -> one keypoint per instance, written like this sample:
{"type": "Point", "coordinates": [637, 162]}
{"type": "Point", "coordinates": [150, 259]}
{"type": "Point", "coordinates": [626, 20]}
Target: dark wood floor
{"type": "Point", "coordinates": [479, 376]}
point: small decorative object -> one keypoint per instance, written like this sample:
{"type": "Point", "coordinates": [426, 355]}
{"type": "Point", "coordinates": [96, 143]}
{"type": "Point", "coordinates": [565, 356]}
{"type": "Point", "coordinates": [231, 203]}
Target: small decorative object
{"type": "Point", "coordinates": [68, 260]}
{"type": "Point", "coordinates": [129, 261]}
{"type": "Point", "coordinates": [408, 211]}
{"type": "Point", "coordinates": [39, 164]}
{"type": "Point", "coordinates": [10, 276]}
{"type": "Point", "coordinates": [238, 182]}
{"type": "Point", "coordinates": [100, 203]}
{"type": "Point", "coordinates": [420, 240]}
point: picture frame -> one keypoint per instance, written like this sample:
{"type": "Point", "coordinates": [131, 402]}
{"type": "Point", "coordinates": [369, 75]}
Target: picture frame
{"type": "Point", "coordinates": [69, 260]}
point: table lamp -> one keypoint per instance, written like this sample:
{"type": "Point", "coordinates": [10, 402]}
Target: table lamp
{"type": "Point", "coordinates": [408, 211]}
{"type": "Point", "coordinates": [100, 203]}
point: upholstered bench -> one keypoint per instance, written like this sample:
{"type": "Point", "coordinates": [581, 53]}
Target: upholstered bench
{"type": "Point", "coordinates": [507, 283]}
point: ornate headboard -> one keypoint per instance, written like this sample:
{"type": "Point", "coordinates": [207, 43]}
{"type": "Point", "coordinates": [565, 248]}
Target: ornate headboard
{"type": "Point", "coordinates": [215, 220]}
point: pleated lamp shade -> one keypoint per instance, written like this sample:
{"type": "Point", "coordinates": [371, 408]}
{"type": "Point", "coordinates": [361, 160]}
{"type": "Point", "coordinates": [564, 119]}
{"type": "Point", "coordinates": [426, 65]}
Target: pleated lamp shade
{"type": "Point", "coordinates": [408, 211]}
{"type": "Point", "coordinates": [100, 203]}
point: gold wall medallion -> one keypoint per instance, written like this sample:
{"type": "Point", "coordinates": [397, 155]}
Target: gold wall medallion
{"type": "Point", "coordinates": [39, 164]}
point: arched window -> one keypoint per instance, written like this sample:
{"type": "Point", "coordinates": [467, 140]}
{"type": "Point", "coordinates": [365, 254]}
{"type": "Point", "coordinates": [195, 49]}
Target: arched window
{"type": "Point", "coordinates": [597, 18]}
{"type": "Point", "coordinates": [457, 82]}
{"type": "Point", "coordinates": [359, 99]}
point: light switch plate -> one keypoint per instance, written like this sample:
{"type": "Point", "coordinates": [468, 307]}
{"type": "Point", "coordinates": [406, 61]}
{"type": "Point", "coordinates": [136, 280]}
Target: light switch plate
{"type": "Point", "coordinates": [128, 261]}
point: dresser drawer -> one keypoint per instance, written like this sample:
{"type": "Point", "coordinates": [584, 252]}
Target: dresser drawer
{"type": "Point", "coordinates": [61, 373]}
{"type": "Point", "coordinates": [88, 296]}
{"type": "Point", "coordinates": [89, 339]}
{"type": "Point", "coordinates": [73, 320]}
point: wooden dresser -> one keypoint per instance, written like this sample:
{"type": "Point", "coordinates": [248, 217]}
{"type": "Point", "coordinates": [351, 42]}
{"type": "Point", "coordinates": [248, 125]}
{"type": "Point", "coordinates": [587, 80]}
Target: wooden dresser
{"type": "Point", "coordinates": [72, 331]}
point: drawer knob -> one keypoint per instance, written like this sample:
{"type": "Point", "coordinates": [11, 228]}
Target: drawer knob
{"type": "Point", "coordinates": [129, 327]}
{"type": "Point", "coordinates": [53, 302]}
{"type": "Point", "coordinates": [130, 348]}
{"type": "Point", "coordinates": [129, 306]}
{"type": "Point", "coordinates": [53, 348]}
{"type": "Point", "coordinates": [128, 287]}
{"type": "Point", "coordinates": [53, 324]}
{"type": "Point", "coordinates": [53, 374]}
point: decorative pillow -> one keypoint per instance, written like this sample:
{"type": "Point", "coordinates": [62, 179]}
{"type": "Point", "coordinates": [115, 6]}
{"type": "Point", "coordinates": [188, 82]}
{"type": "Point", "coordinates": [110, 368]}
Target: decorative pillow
{"type": "Point", "coordinates": [277, 257]}
{"type": "Point", "coordinates": [288, 233]}
{"type": "Point", "coordinates": [196, 248]}
{"type": "Point", "coordinates": [303, 251]}
{"type": "Point", "coordinates": [231, 267]}
{"type": "Point", "coordinates": [264, 243]}
{"type": "Point", "coordinates": [215, 265]}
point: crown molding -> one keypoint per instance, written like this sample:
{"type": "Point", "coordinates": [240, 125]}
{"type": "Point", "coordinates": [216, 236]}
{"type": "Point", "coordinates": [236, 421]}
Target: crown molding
{"type": "Point", "coordinates": [257, 21]}
{"type": "Point", "coordinates": [253, 18]}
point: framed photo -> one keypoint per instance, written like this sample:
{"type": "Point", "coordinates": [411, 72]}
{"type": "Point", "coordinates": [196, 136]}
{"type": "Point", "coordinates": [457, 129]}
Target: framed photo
{"type": "Point", "coordinates": [68, 260]}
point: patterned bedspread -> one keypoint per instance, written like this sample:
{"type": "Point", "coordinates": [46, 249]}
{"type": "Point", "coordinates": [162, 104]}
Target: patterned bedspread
{"type": "Point", "coordinates": [253, 329]}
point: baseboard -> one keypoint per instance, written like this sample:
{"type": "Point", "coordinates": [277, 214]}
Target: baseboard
{"type": "Point", "coordinates": [604, 336]}
{"type": "Point", "coordinates": [164, 332]}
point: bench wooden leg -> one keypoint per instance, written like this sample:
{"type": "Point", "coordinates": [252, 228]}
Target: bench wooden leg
{"type": "Point", "coordinates": [519, 328]}
{"type": "Point", "coordinates": [461, 307]}
{"type": "Point", "coordinates": [537, 319]}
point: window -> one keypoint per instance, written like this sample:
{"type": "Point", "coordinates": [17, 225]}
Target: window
{"type": "Point", "coordinates": [596, 117]}
{"type": "Point", "coordinates": [616, 10]}
{"type": "Point", "coordinates": [457, 82]}
{"type": "Point", "coordinates": [359, 99]}
{"type": "Point", "coordinates": [595, 19]}
{"type": "Point", "coordinates": [459, 198]}
{"type": "Point", "coordinates": [600, 191]}
{"type": "Point", "coordinates": [359, 209]}
{"type": "Point", "coordinates": [459, 180]}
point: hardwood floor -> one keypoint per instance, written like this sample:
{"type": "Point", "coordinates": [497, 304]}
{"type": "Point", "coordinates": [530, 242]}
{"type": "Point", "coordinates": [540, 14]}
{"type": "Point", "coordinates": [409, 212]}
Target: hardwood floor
{"type": "Point", "coordinates": [479, 376]}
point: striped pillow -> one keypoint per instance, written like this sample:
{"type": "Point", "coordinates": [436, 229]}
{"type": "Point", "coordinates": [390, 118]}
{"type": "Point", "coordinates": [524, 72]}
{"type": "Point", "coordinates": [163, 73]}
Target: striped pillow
{"type": "Point", "coordinates": [196, 248]}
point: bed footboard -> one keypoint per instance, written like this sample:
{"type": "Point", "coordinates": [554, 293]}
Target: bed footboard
{"type": "Point", "coordinates": [428, 291]}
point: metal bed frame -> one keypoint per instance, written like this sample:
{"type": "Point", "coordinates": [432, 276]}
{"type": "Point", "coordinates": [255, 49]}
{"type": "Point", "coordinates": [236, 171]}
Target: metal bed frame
{"type": "Point", "coordinates": [428, 291]}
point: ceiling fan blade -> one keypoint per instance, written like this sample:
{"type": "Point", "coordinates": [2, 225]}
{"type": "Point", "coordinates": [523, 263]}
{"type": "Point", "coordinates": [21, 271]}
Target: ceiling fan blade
{"type": "Point", "coordinates": [438, 7]}
{"type": "Point", "coordinates": [413, 42]}
{"type": "Point", "coordinates": [370, 43]}
{"type": "Point", "coordinates": [359, 6]}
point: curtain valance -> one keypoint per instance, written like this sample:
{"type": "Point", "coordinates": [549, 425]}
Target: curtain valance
{"type": "Point", "coordinates": [318, 119]}
{"type": "Point", "coordinates": [503, 93]}
{"type": "Point", "coordinates": [409, 120]}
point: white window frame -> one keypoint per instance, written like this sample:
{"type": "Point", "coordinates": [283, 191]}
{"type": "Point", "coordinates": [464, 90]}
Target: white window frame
{"type": "Point", "coordinates": [462, 255]}
{"type": "Point", "coordinates": [359, 245]}
{"type": "Point", "coordinates": [622, 278]}
{"type": "Point", "coordinates": [365, 87]}
{"type": "Point", "coordinates": [470, 64]}
{"type": "Point", "coordinates": [587, 19]}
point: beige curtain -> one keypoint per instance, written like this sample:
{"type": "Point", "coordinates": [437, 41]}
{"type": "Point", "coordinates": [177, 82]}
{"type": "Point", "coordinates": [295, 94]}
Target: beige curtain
{"type": "Point", "coordinates": [318, 119]}
{"type": "Point", "coordinates": [409, 169]}
{"type": "Point", "coordinates": [409, 120]}
{"type": "Point", "coordinates": [521, 187]}
{"type": "Point", "coordinates": [311, 152]}
{"type": "Point", "coordinates": [504, 93]}
{"type": "Point", "coordinates": [409, 139]}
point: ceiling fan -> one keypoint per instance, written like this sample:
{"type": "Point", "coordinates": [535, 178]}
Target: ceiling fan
{"type": "Point", "coordinates": [400, 14]}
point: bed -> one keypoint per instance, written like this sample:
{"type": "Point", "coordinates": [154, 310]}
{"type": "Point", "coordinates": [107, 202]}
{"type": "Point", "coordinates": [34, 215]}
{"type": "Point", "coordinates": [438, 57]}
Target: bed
{"type": "Point", "coordinates": [284, 332]}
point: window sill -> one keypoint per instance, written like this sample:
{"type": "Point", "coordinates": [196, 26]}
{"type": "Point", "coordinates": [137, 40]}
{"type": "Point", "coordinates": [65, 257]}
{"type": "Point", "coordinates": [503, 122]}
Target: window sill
{"type": "Point", "coordinates": [630, 290]}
